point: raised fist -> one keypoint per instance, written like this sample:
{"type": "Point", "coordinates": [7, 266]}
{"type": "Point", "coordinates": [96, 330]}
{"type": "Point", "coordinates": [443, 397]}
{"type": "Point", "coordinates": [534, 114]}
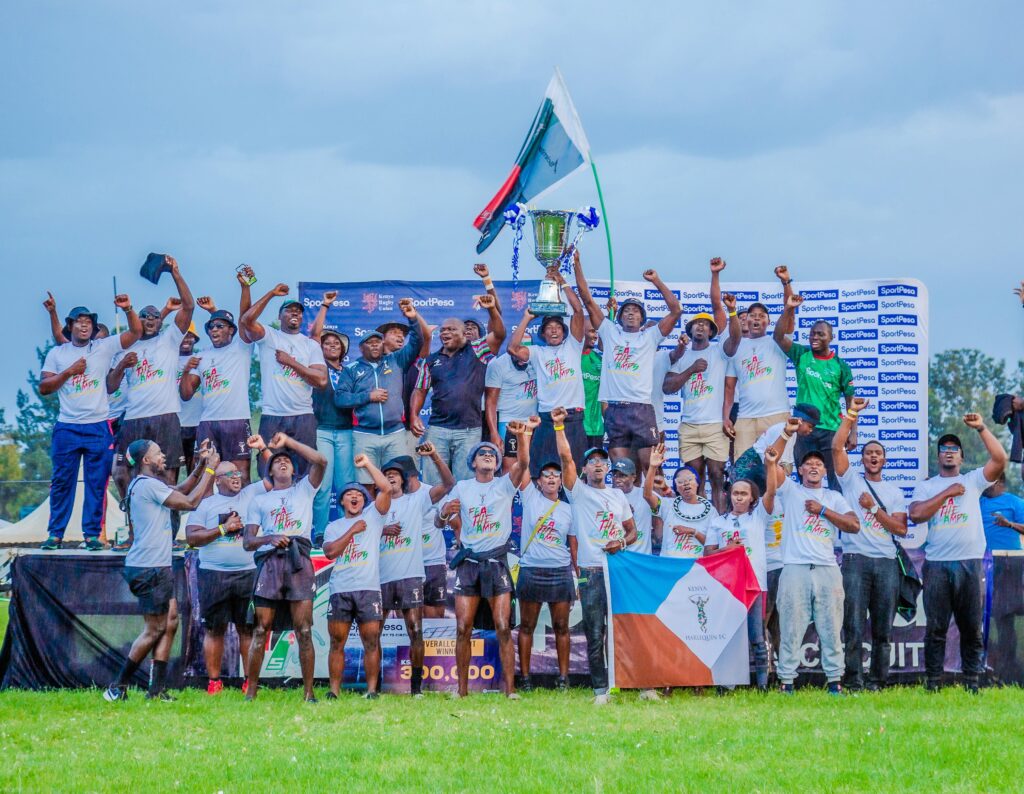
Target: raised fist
{"type": "Point", "coordinates": [172, 304]}
{"type": "Point", "coordinates": [558, 415]}
{"type": "Point", "coordinates": [532, 423]}
{"type": "Point", "coordinates": [329, 296]}
{"type": "Point", "coordinates": [122, 302]}
{"type": "Point", "coordinates": [730, 301]}
{"type": "Point", "coordinates": [280, 440]}
{"type": "Point", "coordinates": [487, 301]}
{"type": "Point", "coordinates": [426, 449]}
{"type": "Point", "coordinates": [256, 442]}
{"type": "Point", "coordinates": [481, 270]}
{"type": "Point", "coordinates": [717, 265]}
{"type": "Point", "coordinates": [771, 456]}
{"type": "Point", "coordinates": [792, 425]}
{"type": "Point", "coordinates": [794, 300]}
{"type": "Point", "coordinates": [516, 427]}
{"type": "Point", "coordinates": [651, 275]}
{"type": "Point", "coordinates": [407, 309]}
{"type": "Point", "coordinates": [360, 461]}
{"type": "Point", "coordinates": [206, 302]}
{"type": "Point", "coordinates": [858, 404]}
{"type": "Point", "coordinates": [280, 290]}
{"type": "Point", "coordinates": [782, 273]}
{"type": "Point", "coordinates": [974, 421]}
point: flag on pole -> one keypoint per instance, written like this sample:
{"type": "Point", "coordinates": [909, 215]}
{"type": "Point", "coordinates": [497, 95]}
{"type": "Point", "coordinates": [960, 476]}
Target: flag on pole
{"type": "Point", "coordinates": [554, 148]}
{"type": "Point", "coordinates": [679, 622]}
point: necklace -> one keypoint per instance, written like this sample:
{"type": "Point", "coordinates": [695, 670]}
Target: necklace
{"type": "Point", "coordinates": [704, 503]}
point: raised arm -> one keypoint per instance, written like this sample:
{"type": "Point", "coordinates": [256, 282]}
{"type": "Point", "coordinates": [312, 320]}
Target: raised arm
{"type": "Point", "coordinates": [787, 320]}
{"type": "Point", "coordinates": [657, 460]}
{"type": "Point", "coordinates": [317, 462]}
{"type": "Point", "coordinates": [380, 482]}
{"type": "Point", "coordinates": [418, 342]}
{"type": "Point", "coordinates": [485, 275]}
{"type": "Point", "coordinates": [779, 445]}
{"type": "Point", "coordinates": [997, 456]}
{"type": "Point", "coordinates": [134, 332]}
{"type": "Point", "coordinates": [576, 320]}
{"type": "Point", "coordinates": [771, 478]}
{"type": "Point", "coordinates": [782, 273]}
{"type": "Point", "coordinates": [244, 275]}
{"type": "Point", "coordinates": [587, 299]}
{"type": "Point", "coordinates": [675, 310]}
{"type": "Point", "coordinates": [56, 326]}
{"type": "Point", "coordinates": [427, 450]}
{"type": "Point", "coordinates": [569, 476]}
{"type": "Point", "coordinates": [187, 496]}
{"type": "Point", "coordinates": [732, 342]}
{"type": "Point", "coordinates": [183, 319]}
{"type": "Point", "coordinates": [519, 473]}
{"type": "Point", "coordinates": [840, 457]}
{"type": "Point", "coordinates": [717, 310]}
{"type": "Point", "coordinates": [317, 327]}
{"type": "Point", "coordinates": [250, 322]}
{"type": "Point", "coordinates": [495, 325]}
{"type": "Point", "coordinates": [516, 348]}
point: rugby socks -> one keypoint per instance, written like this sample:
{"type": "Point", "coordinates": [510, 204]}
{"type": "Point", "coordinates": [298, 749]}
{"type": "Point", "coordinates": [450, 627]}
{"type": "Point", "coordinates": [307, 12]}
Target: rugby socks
{"type": "Point", "coordinates": [417, 680]}
{"type": "Point", "coordinates": [127, 671]}
{"type": "Point", "coordinates": [158, 679]}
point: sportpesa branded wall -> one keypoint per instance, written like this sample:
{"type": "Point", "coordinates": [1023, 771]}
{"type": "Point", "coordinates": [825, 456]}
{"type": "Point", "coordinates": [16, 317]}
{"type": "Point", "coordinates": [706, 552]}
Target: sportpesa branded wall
{"type": "Point", "coordinates": [881, 330]}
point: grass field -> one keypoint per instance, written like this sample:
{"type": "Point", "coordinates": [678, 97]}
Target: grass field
{"type": "Point", "coordinates": [902, 739]}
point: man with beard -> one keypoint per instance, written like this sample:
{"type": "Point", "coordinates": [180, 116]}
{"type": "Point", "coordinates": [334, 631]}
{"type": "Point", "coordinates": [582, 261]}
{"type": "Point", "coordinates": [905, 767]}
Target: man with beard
{"type": "Point", "coordinates": [822, 379]}
{"type": "Point", "coordinates": [278, 528]}
{"type": "Point", "coordinates": [954, 551]}
{"type": "Point", "coordinates": [220, 375]}
{"type": "Point", "coordinates": [147, 566]}
{"type": "Point", "coordinates": [871, 574]}
{"type": "Point", "coordinates": [559, 370]}
{"type": "Point", "coordinates": [291, 366]}
{"type": "Point", "coordinates": [76, 371]}
{"type": "Point", "coordinates": [627, 373]}
{"type": "Point", "coordinates": [150, 387]}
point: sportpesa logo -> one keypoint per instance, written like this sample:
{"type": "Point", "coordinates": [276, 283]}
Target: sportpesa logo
{"type": "Point", "coordinates": [897, 377]}
{"type": "Point", "coordinates": [897, 319]}
{"type": "Point", "coordinates": [858, 306]}
{"type": "Point", "coordinates": [897, 289]}
{"type": "Point", "coordinates": [807, 322]}
{"type": "Point", "coordinates": [898, 349]}
{"type": "Point", "coordinates": [858, 334]}
{"type": "Point", "coordinates": [862, 363]}
{"type": "Point", "coordinates": [898, 435]}
{"type": "Point", "coordinates": [899, 405]}
{"type": "Point", "coordinates": [821, 295]}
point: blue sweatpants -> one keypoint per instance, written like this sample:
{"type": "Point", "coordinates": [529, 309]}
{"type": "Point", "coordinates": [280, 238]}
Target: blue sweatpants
{"type": "Point", "coordinates": [72, 444]}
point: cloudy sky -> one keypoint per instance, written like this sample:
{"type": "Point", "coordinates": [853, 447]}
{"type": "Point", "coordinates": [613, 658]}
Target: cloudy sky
{"type": "Point", "coordinates": [327, 140]}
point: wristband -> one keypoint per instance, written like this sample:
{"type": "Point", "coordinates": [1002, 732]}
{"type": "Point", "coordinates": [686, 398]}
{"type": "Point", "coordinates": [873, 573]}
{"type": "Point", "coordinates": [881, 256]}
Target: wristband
{"type": "Point", "coordinates": [527, 432]}
{"type": "Point", "coordinates": [210, 471]}
{"type": "Point", "coordinates": [221, 528]}
{"type": "Point", "coordinates": [786, 435]}
{"type": "Point", "coordinates": [852, 414]}
{"type": "Point", "coordinates": [488, 283]}
{"type": "Point", "coordinates": [559, 427]}
{"type": "Point", "coordinates": [787, 282]}
{"type": "Point", "coordinates": [733, 314]}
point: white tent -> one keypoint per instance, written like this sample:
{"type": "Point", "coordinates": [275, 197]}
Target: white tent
{"type": "Point", "coordinates": [32, 528]}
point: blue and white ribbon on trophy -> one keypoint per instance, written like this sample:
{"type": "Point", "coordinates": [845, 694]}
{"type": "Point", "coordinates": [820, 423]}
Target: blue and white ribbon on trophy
{"type": "Point", "coordinates": [515, 217]}
{"type": "Point", "coordinates": [587, 219]}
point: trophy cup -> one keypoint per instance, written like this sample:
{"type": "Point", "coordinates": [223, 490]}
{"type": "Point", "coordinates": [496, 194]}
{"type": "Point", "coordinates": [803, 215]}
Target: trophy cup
{"type": "Point", "coordinates": [553, 247]}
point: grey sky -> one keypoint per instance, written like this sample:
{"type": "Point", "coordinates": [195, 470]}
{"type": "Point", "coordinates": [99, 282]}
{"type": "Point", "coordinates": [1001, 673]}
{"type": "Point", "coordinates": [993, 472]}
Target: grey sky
{"type": "Point", "coordinates": [320, 139]}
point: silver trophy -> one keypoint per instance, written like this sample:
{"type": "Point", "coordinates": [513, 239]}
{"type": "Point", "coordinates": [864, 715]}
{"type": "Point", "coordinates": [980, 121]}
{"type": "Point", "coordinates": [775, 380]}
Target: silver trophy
{"type": "Point", "coordinates": [550, 237]}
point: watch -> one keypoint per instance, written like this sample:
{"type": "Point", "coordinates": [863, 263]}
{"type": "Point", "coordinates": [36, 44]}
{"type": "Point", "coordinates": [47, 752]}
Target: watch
{"type": "Point", "coordinates": [873, 510]}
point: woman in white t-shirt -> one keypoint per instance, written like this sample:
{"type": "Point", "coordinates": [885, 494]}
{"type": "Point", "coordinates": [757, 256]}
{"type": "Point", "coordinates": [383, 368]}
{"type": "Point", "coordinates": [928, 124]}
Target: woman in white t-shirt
{"type": "Point", "coordinates": [682, 522]}
{"type": "Point", "coordinates": [547, 563]}
{"type": "Point", "coordinates": [744, 525]}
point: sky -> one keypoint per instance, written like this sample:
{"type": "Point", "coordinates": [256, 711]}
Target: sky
{"type": "Point", "coordinates": [333, 140]}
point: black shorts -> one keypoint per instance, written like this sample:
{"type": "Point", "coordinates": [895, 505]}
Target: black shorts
{"type": "Point", "coordinates": [630, 425]}
{"type": "Point", "coordinates": [164, 430]}
{"type": "Point", "coordinates": [276, 581]}
{"type": "Point", "coordinates": [302, 428]}
{"type": "Point", "coordinates": [435, 586]}
{"type": "Point", "coordinates": [228, 437]}
{"type": "Point", "coordinates": [224, 597]}
{"type": "Point", "coordinates": [359, 606]}
{"type": "Point", "coordinates": [546, 585]}
{"type": "Point", "coordinates": [544, 447]}
{"type": "Point", "coordinates": [402, 594]}
{"type": "Point", "coordinates": [154, 587]}
{"type": "Point", "coordinates": [487, 579]}
{"type": "Point", "coordinates": [188, 444]}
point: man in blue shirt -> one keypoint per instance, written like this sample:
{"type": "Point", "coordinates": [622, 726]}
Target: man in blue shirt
{"type": "Point", "coordinates": [1003, 516]}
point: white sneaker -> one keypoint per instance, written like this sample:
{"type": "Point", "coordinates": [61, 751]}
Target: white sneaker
{"type": "Point", "coordinates": [602, 700]}
{"type": "Point", "coordinates": [649, 694]}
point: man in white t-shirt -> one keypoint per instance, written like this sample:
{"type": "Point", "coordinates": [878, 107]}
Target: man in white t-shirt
{"type": "Point", "coordinates": [510, 395]}
{"type": "Point", "coordinates": [278, 528]}
{"type": "Point", "coordinates": [627, 367]}
{"type": "Point", "coordinates": [150, 385]}
{"type": "Point", "coordinates": [703, 445]}
{"type": "Point", "coordinates": [810, 587]}
{"type": "Point", "coordinates": [558, 365]}
{"type": "Point", "coordinates": [756, 380]}
{"type": "Point", "coordinates": [227, 572]}
{"type": "Point", "coordinates": [148, 564]}
{"type": "Point", "coordinates": [604, 524]}
{"type": "Point", "coordinates": [291, 366]}
{"type": "Point", "coordinates": [76, 371]}
{"type": "Point", "coordinates": [480, 510]}
{"type": "Point", "coordinates": [189, 411]}
{"type": "Point", "coordinates": [953, 552]}
{"type": "Point", "coordinates": [871, 574]}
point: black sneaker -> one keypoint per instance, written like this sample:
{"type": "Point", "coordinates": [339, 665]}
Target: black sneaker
{"type": "Point", "coordinates": [971, 688]}
{"type": "Point", "coordinates": [95, 544]}
{"type": "Point", "coordinates": [561, 684]}
{"type": "Point", "coordinates": [311, 699]}
{"type": "Point", "coordinates": [163, 696]}
{"type": "Point", "coordinates": [53, 543]}
{"type": "Point", "coordinates": [835, 689]}
{"type": "Point", "coordinates": [330, 696]}
{"type": "Point", "coordinates": [932, 685]}
{"type": "Point", "coordinates": [786, 689]}
{"type": "Point", "coordinates": [525, 684]}
{"type": "Point", "coordinates": [371, 696]}
{"type": "Point", "coordinates": [112, 694]}
{"type": "Point", "coordinates": [872, 686]}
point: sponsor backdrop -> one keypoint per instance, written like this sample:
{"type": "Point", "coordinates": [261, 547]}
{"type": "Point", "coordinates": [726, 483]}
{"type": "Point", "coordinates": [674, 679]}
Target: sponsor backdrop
{"type": "Point", "coordinates": [881, 329]}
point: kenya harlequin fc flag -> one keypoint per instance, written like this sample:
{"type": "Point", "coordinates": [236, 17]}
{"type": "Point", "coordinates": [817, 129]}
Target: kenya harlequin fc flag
{"type": "Point", "coordinates": [679, 622]}
{"type": "Point", "coordinates": [554, 148]}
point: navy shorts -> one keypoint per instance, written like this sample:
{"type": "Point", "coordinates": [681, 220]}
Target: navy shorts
{"type": "Point", "coordinates": [276, 581]}
{"type": "Point", "coordinates": [435, 586]}
{"type": "Point", "coordinates": [228, 437]}
{"type": "Point", "coordinates": [153, 587]}
{"type": "Point", "coordinates": [224, 597]}
{"type": "Point", "coordinates": [630, 425]}
{"type": "Point", "coordinates": [359, 606]}
{"type": "Point", "coordinates": [402, 594]}
{"type": "Point", "coordinates": [163, 429]}
{"type": "Point", "coordinates": [487, 579]}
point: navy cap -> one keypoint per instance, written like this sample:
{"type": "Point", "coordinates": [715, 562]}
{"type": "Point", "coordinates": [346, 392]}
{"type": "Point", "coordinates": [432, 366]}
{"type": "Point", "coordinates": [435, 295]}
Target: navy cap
{"type": "Point", "coordinates": [552, 464]}
{"type": "Point", "coordinates": [370, 335]}
{"type": "Point", "coordinates": [149, 311]}
{"type": "Point", "coordinates": [812, 454]}
{"type": "Point", "coordinates": [807, 412]}
{"type": "Point", "coordinates": [221, 314]}
{"type": "Point", "coordinates": [595, 451]}
{"type": "Point", "coordinates": [355, 486]}
{"type": "Point", "coordinates": [74, 314]}
{"type": "Point", "coordinates": [475, 450]}
{"type": "Point", "coordinates": [635, 302]}
{"type": "Point", "coordinates": [950, 438]}
{"type": "Point", "coordinates": [624, 466]}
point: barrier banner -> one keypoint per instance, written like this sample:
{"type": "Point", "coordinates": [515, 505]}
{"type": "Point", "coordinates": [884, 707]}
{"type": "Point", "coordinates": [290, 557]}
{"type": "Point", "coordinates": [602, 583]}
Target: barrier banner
{"type": "Point", "coordinates": [881, 329]}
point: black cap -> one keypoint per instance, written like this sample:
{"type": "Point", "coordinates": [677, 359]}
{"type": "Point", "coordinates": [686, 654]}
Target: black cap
{"type": "Point", "coordinates": [385, 327]}
{"type": "Point", "coordinates": [404, 464]}
{"type": "Point", "coordinates": [950, 438]}
{"type": "Point", "coordinates": [813, 453]}
{"type": "Point", "coordinates": [807, 412]}
{"type": "Point", "coordinates": [74, 314]}
{"type": "Point", "coordinates": [596, 451]}
{"type": "Point", "coordinates": [221, 314]}
{"type": "Point", "coordinates": [756, 305]}
{"type": "Point", "coordinates": [551, 464]}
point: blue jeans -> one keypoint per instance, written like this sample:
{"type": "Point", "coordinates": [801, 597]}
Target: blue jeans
{"type": "Point", "coordinates": [871, 585]}
{"type": "Point", "coordinates": [810, 594]}
{"type": "Point", "coordinates": [72, 446]}
{"type": "Point", "coordinates": [953, 589]}
{"type": "Point", "coordinates": [755, 634]}
{"type": "Point", "coordinates": [453, 446]}
{"type": "Point", "coordinates": [594, 600]}
{"type": "Point", "coordinates": [336, 446]}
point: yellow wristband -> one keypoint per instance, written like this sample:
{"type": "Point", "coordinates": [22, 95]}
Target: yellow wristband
{"type": "Point", "coordinates": [559, 427]}
{"type": "Point", "coordinates": [210, 471]}
{"type": "Point", "coordinates": [733, 314]}
{"type": "Point", "coordinates": [852, 414]}
{"type": "Point", "coordinates": [221, 528]}
{"type": "Point", "coordinates": [528, 433]}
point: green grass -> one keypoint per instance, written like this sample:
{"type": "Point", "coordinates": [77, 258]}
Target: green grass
{"type": "Point", "coordinates": [902, 739]}
{"type": "Point", "coordinates": [4, 605]}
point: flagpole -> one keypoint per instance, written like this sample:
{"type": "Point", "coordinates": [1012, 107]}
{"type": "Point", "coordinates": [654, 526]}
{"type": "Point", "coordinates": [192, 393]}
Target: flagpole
{"type": "Point", "coordinates": [607, 231]}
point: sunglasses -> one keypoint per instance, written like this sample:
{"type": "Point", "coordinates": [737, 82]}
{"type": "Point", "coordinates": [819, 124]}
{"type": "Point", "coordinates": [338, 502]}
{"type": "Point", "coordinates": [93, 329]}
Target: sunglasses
{"type": "Point", "coordinates": [219, 326]}
{"type": "Point", "coordinates": [486, 453]}
{"type": "Point", "coordinates": [231, 475]}
{"type": "Point", "coordinates": [948, 448]}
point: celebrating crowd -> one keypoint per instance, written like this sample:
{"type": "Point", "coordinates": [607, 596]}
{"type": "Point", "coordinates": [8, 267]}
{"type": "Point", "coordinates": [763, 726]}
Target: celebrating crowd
{"type": "Point", "coordinates": [566, 428]}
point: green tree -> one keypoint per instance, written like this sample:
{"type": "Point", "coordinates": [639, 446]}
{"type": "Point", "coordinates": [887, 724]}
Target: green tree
{"type": "Point", "coordinates": [34, 425]}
